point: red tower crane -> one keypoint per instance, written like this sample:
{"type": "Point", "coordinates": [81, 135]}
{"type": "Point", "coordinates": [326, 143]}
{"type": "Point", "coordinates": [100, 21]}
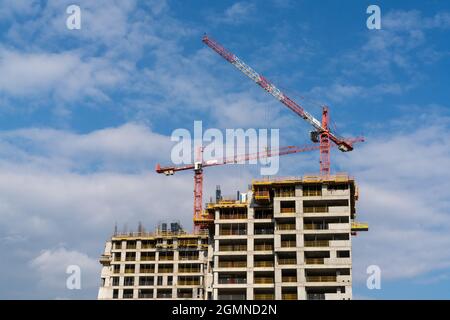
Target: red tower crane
{"type": "Point", "coordinates": [200, 220]}
{"type": "Point", "coordinates": [321, 131]}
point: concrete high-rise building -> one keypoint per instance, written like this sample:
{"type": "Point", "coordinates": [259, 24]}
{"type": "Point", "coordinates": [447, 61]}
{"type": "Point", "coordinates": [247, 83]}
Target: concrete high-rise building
{"type": "Point", "coordinates": [165, 264]}
{"type": "Point", "coordinates": [286, 238]}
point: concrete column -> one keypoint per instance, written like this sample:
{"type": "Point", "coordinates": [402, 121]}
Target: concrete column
{"type": "Point", "coordinates": [174, 292]}
{"type": "Point", "coordinates": [278, 295]}
{"type": "Point", "coordinates": [298, 190]}
{"type": "Point", "coordinates": [249, 293]}
{"type": "Point", "coordinates": [301, 292]}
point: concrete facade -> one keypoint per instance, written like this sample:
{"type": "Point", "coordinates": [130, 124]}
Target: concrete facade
{"type": "Point", "coordinates": [290, 239]}
{"type": "Point", "coordinates": [160, 265]}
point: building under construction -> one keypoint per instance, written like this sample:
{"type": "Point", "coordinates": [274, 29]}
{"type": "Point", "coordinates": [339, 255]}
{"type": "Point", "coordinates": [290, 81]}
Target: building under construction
{"type": "Point", "coordinates": [286, 238]}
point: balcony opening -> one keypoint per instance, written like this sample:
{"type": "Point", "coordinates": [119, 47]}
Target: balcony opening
{"type": "Point", "coordinates": [233, 229]}
{"type": "Point", "coordinates": [233, 245]}
{"type": "Point", "coordinates": [233, 213]}
{"type": "Point", "coordinates": [343, 254]}
{"type": "Point", "coordinates": [287, 206]}
{"type": "Point", "coordinates": [319, 293]}
{"type": "Point", "coordinates": [231, 294]}
{"type": "Point", "coordinates": [184, 293]}
{"type": "Point", "coordinates": [131, 245]}
{"type": "Point", "coordinates": [286, 258]}
{"type": "Point", "coordinates": [286, 224]}
{"type": "Point", "coordinates": [263, 261]}
{"type": "Point", "coordinates": [337, 187]}
{"type": "Point", "coordinates": [232, 261]}
{"type": "Point", "coordinates": [165, 268]}
{"type": "Point", "coordinates": [145, 293]}
{"type": "Point", "coordinates": [286, 191]}
{"type": "Point", "coordinates": [289, 275]}
{"type": "Point", "coordinates": [263, 228]}
{"type": "Point", "coordinates": [148, 244]}
{"type": "Point", "coordinates": [117, 245]}
{"type": "Point", "coordinates": [146, 281]}
{"type": "Point", "coordinates": [322, 223]}
{"type": "Point", "coordinates": [316, 257]}
{"type": "Point", "coordinates": [130, 256]}
{"type": "Point", "coordinates": [288, 241]}
{"type": "Point", "coordinates": [263, 244]}
{"type": "Point", "coordinates": [233, 278]}
{"type": "Point", "coordinates": [323, 240]}
{"type": "Point", "coordinates": [189, 268]}
{"type": "Point", "coordinates": [128, 281]}
{"type": "Point", "coordinates": [147, 256]}
{"type": "Point", "coordinates": [312, 190]}
{"type": "Point", "coordinates": [115, 281]}
{"type": "Point", "coordinates": [128, 294]}
{"type": "Point", "coordinates": [147, 268]}
{"type": "Point", "coordinates": [164, 294]}
{"type": "Point", "coordinates": [322, 206]}
{"type": "Point", "coordinates": [263, 277]}
{"type": "Point", "coordinates": [129, 268]}
{"type": "Point", "coordinates": [263, 213]}
{"type": "Point", "coordinates": [166, 256]}
{"type": "Point", "coordinates": [289, 293]}
{"type": "Point", "coordinates": [188, 255]}
{"type": "Point", "coordinates": [320, 275]}
{"type": "Point", "coordinates": [263, 294]}
{"type": "Point", "coordinates": [188, 281]}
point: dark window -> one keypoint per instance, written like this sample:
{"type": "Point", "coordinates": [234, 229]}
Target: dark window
{"type": "Point", "coordinates": [146, 293]}
{"type": "Point", "coordinates": [146, 281]}
{"type": "Point", "coordinates": [128, 281]}
{"type": "Point", "coordinates": [128, 294]}
{"type": "Point", "coordinates": [343, 254]}
{"type": "Point", "coordinates": [115, 281]}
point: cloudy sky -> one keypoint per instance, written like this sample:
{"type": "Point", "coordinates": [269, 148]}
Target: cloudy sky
{"type": "Point", "coordinates": [86, 114]}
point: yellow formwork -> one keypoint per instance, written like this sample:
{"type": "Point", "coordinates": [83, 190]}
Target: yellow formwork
{"type": "Point", "coordinates": [360, 226]}
{"type": "Point", "coordinates": [340, 177]}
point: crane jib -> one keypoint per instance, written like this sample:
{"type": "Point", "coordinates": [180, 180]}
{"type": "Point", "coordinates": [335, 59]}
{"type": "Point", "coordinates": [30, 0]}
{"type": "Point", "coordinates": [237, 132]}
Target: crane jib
{"type": "Point", "coordinates": [274, 91]}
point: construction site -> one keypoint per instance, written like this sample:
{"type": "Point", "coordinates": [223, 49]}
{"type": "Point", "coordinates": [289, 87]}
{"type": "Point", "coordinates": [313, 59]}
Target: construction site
{"type": "Point", "coordinates": [285, 238]}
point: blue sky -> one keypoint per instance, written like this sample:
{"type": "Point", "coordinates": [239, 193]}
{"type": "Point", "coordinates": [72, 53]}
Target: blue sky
{"type": "Point", "coordinates": [86, 114]}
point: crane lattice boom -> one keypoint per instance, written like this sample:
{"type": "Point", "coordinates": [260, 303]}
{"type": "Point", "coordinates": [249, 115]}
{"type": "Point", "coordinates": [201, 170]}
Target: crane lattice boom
{"type": "Point", "coordinates": [274, 91]}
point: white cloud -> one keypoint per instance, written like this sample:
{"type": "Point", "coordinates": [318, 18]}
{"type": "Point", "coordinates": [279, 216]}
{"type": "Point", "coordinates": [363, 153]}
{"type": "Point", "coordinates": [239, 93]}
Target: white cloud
{"type": "Point", "coordinates": [51, 266]}
{"type": "Point", "coordinates": [236, 13]}
{"type": "Point", "coordinates": [336, 92]}
{"type": "Point", "coordinates": [121, 148]}
{"type": "Point", "coordinates": [11, 8]}
{"type": "Point", "coordinates": [45, 203]}
{"type": "Point", "coordinates": [404, 197]}
{"type": "Point", "coordinates": [114, 37]}
{"type": "Point", "coordinates": [66, 75]}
